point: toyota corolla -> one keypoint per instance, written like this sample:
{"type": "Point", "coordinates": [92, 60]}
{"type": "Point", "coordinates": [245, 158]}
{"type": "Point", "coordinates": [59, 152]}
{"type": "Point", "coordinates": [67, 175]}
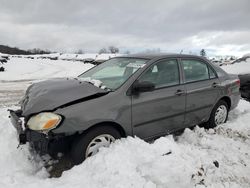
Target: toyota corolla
{"type": "Point", "coordinates": [138, 95]}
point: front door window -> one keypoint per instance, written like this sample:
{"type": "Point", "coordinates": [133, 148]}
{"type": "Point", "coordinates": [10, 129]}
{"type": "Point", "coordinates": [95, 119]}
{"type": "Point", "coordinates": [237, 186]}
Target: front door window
{"type": "Point", "coordinates": [165, 73]}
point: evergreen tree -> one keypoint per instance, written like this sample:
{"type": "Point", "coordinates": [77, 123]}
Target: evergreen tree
{"type": "Point", "coordinates": [203, 53]}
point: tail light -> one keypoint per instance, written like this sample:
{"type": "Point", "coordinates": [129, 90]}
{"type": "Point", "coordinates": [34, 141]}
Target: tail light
{"type": "Point", "coordinates": [238, 82]}
{"type": "Point", "coordinates": [235, 86]}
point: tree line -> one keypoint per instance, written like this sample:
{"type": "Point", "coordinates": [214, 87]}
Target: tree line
{"type": "Point", "coordinates": [16, 51]}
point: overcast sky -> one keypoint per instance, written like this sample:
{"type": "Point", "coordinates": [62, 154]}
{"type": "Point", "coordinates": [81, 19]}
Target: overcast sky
{"type": "Point", "coordinates": [219, 26]}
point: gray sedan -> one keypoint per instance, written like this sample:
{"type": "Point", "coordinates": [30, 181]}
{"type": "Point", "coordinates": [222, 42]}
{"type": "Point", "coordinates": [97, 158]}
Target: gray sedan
{"type": "Point", "coordinates": [144, 95]}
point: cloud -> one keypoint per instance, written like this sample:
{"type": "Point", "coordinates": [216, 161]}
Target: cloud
{"type": "Point", "coordinates": [130, 24]}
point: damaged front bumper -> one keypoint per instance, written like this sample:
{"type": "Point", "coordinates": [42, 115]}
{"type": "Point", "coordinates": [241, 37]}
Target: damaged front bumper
{"type": "Point", "coordinates": [18, 124]}
{"type": "Point", "coordinates": [42, 143]}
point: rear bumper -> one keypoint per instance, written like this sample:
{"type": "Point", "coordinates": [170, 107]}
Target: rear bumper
{"type": "Point", "coordinates": [235, 99]}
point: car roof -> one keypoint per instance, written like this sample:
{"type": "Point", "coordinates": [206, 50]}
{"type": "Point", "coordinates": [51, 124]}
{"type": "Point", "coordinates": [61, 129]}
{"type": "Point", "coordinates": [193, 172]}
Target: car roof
{"type": "Point", "coordinates": [160, 55]}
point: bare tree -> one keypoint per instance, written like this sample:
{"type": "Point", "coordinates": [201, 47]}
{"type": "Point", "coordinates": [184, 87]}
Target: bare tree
{"type": "Point", "coordinates": [113, 49]}
{"type": "Point", "coordinates": [103, 51]}
{"type": "Point", "coordinates": [127, 52]}
{"type": "Point", "coordinates": [80, 51]}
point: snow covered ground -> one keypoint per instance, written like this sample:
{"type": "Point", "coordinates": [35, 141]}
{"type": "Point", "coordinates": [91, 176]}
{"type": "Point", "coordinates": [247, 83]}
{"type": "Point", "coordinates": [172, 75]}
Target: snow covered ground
{"type": "Point", "coordinates": [198, 158]}
{"type": "Point", "coordinates": [238, 68]}
{"type": "Point", "coordinates": [33, 69]}
{"type": "Point", "coordinates": [21, 72]}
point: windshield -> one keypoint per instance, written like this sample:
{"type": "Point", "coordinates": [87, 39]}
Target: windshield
{"type": "Point", "coordinates": [113, 73]}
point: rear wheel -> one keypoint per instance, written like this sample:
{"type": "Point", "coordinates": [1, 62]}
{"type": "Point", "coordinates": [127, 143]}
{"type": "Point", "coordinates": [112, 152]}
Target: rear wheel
{"type": "Point", "coordinates": [89, 143]}
{"type": "Point", "coordinates": [218, 115]}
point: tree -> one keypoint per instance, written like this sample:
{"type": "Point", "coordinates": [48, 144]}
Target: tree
{"type": "Point", "coordinates": [80, 51]}
{"type": "Point", "coordinates": [127, 52]}
{"type": "Point", "coordinates": [103, 51]}
{"type": "Point", "coordinates": [113, 49]}
{"type": "Point", "coordinates": [38, 51]}
{"type": "Point", "coordinates": [232, 58]}
{"type": "Point", "coordinates": [203, 53]}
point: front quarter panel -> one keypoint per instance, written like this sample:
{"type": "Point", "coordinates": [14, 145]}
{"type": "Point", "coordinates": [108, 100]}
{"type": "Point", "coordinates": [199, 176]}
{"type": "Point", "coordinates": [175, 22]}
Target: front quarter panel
{"type": "Point", "coordinates": [113, 107]}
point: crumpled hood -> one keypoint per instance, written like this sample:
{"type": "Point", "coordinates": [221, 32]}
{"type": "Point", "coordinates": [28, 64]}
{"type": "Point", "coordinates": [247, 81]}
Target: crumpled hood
{"type": "Point", "coordinates": [51, 94]}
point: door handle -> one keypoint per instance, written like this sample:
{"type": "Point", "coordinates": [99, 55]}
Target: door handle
{"type": "Point", "coordinates": [215, 84]}
{"type": "Point", "coordinates": [180, 92]}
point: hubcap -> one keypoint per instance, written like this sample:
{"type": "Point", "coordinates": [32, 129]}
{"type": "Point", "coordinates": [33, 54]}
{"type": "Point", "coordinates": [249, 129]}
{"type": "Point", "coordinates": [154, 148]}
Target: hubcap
{"type": "Point", "coordinates": [220, 115]}
{"type": "Point", "coordinates": [103, 140]}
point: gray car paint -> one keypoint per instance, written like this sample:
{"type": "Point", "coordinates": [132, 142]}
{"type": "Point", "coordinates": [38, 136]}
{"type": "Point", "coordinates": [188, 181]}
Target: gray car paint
{"type": "Point", "coordinates": [158, 112]}
{"type": "Point", "coordinates": [138, 115]}
{"type": "Point", "coordinates": [49, 95]}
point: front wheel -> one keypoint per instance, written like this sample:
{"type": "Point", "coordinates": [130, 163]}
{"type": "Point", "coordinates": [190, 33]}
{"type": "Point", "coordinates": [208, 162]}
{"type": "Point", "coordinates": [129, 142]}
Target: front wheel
{"type": "Point", "coordinates": [218, 115]}
{"type": "Point", "coordinates": [89, 144]}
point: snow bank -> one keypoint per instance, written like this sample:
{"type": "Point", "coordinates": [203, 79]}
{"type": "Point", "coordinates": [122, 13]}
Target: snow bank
{"type": "Point", "coordinates": [73, 57]}
{"type": "Point", "coordinates": [213, 158]}
{"type": "Point", "coordinates": [89, 57]}
{"type": "Point", "coordinates": [2, 54]}
{"type": "Point", "coordinates": [238, 68]}
{"type": "Point", "coordinates": [103, 57]}
{"type": "Point", "coordinates": [25, 69]}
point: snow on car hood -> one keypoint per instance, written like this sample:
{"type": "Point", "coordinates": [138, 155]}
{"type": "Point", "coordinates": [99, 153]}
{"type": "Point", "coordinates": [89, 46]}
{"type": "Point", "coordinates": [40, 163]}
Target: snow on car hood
{"type": "Point", "coordinates": [51, 94]}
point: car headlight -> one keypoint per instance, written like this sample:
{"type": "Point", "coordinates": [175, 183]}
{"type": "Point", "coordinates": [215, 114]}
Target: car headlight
{"type": "Point", "coordinates": [44, 121]}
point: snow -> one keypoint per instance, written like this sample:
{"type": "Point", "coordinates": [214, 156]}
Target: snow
{"type": "Point", "coordinates": [68, 56]}
{"type": "Point", "coordinates": [2, 54]}
{"type": "Point", "coordinates": [95, 82]}
{"type": "Point", "coordinates": [52, 55]}
{"type": "Point", "coordinates": [246, 55]}
{"type": "Point", "coordinates": [238, 68]}
{"type": "Point", "coordinates": [22, 72]}
{"type": "Point", "coordinates": [31, 69]}
{"type": "Point", "coordinates": [103, 57]}
{"type": "Point", "coordinates": [86, 56]}
{"type": "Point", "coordinates": [72, 57]}
{"type": "Point", "coordinates": [198, 158]}
{"type": "Point", "coordinates": [131, 162]}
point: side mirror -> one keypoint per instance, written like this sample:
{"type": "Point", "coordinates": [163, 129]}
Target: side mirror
{"type": "Point", "coordinates": [143, 86]}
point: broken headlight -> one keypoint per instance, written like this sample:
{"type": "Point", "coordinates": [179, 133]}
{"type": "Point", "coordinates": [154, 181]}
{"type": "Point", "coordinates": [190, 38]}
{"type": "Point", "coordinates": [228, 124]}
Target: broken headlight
{"type": "Point", "coordinates": [44, 121]}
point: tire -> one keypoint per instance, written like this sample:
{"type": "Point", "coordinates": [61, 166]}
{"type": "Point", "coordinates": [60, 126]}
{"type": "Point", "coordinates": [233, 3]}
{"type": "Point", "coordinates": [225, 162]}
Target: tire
{"type": "Point", "coordinates": [221, 105]}
{"type": "Point", "coordinates": [81, 147]}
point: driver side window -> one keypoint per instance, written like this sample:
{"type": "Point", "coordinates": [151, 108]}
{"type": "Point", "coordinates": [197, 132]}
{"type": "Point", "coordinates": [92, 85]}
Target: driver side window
{"type": "Point", "coordinates": [164, 73]}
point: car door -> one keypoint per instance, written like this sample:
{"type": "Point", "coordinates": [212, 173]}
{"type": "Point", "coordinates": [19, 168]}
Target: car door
{"type": "Point", "coordinates": [202, 87]}
{"type": "Point", "coordinates": [160, 111]}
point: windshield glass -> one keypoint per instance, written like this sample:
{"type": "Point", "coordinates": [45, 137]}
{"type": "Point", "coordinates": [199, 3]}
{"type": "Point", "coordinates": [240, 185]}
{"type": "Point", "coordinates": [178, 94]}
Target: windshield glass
{"type": "Point", "coordinates": [113, 73]}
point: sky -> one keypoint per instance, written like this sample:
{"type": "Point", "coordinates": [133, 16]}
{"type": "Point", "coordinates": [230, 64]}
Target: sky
{"type": "Point", "coordinates": [221, 27]}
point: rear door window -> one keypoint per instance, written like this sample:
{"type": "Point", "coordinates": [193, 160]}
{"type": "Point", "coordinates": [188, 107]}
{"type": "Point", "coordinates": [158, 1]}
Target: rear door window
{"type": "Point", "coordinates": [211, 73]}
{"type": "Point", "coordinates": [194, 70]}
